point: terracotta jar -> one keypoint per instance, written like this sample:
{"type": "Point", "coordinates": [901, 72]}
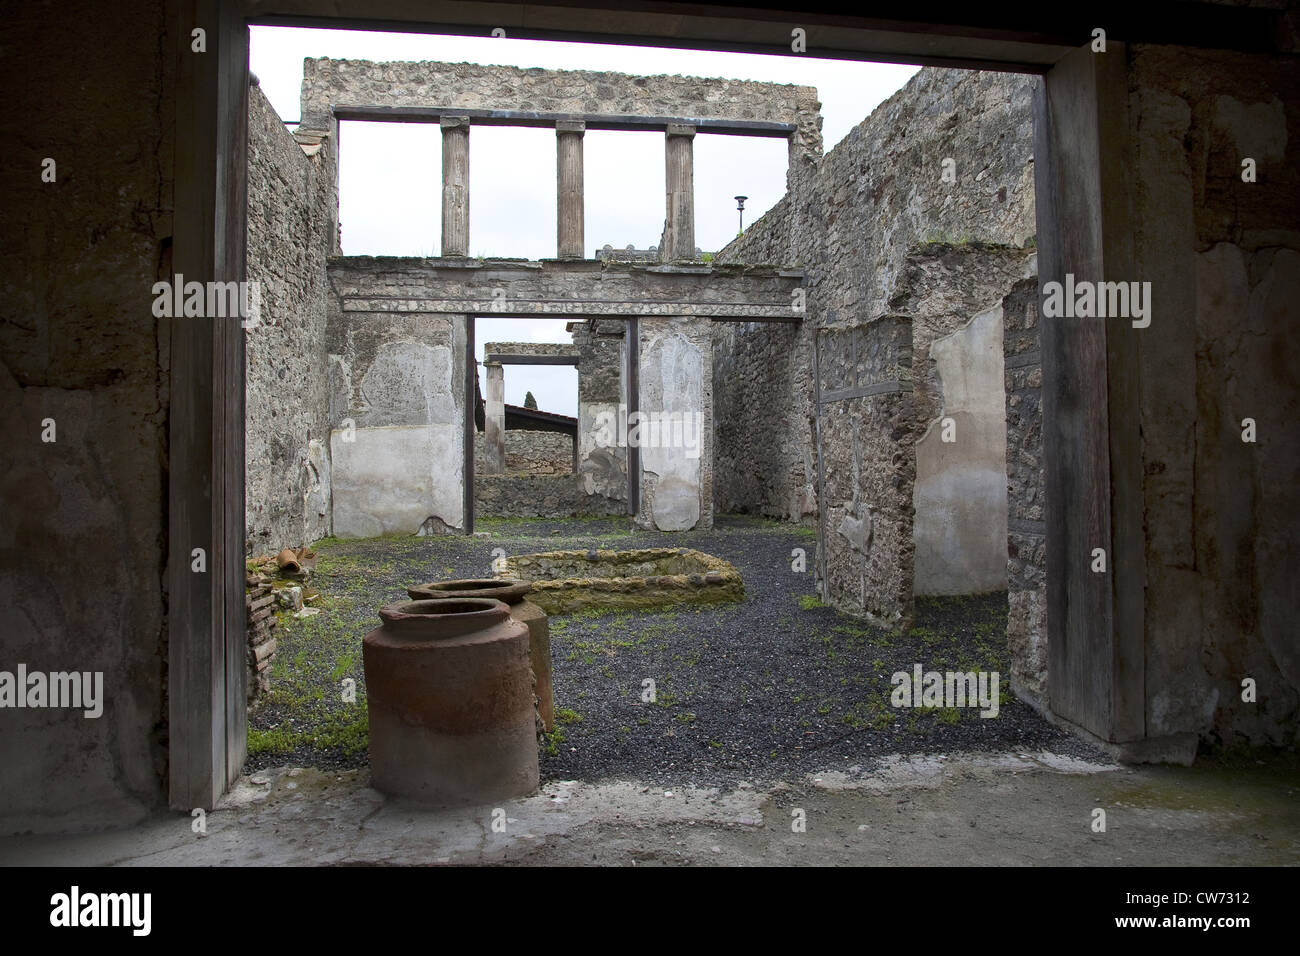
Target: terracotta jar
{"type": "Point", "coordinates": [449, 694]}
{"type": "Point", "coordinates": [513, 593]}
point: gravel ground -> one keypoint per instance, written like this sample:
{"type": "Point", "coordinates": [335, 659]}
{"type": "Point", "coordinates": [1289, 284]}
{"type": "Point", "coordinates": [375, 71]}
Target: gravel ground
{"type": "Point", "coordinates": [759, 691]}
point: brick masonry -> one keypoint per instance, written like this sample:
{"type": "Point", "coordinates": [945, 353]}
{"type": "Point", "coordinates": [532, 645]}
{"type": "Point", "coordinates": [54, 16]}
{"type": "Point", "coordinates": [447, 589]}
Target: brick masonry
{"type": "Point", "coordinates": [260, 604]}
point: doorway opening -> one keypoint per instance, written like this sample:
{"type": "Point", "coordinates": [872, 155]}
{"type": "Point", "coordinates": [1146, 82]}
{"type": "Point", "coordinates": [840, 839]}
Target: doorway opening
{"type": "Point", "coordinates": [773, 465]}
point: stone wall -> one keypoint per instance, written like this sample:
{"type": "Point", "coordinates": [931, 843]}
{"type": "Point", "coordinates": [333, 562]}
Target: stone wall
{"type": "Point", "coordinates": [867, 446]}
{"type": "Point", "coordinates": [764, 460]}
{"type": "Point", "coordinates": [1222, 556]}
{"type": "Point", "coordinates": [762, 380]}
{"type": "Point", "coordinates": [397, 406]}
{"type": "Point", "coordinates": [530, 453]}
{"type": "Point", "coordinates": [328, 83]}
{"type": "Point", "coordinates": [1026, 493]}
{"type": "Point", "coordinates": [851, 221]}
{"type": "Point", "coordinates": [287, 491]}
{"type": "Point", "coordinates": [538, 496]}
{"type": "Point", "coordinates": [84, 542]}
{"type": "Point", "coordinates": [953, 296]}
{"type": "Point", "coordinates": [602, 391]}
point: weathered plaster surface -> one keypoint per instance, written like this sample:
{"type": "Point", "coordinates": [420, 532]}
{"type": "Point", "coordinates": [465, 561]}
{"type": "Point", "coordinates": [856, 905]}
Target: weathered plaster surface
{"type": "Point", "coordinates": [676, 390]}
{"type": "Point", "coordinates": [83, 539]}
{"type": "Point", "coordinates": [1223, 256]}
{"type": "Point", "coordinates": [398, 417]}
{"type": "Point", "coordinates": [961, 498]}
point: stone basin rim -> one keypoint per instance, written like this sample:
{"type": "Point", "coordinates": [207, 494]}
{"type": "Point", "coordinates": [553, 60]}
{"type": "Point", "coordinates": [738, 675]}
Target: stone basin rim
{"type": "Point", "coordinates": [510, 590]}
{"type": "Point", "coordinates": [561, 578]}
{"type": "Point", "coordinates": [708, 564]}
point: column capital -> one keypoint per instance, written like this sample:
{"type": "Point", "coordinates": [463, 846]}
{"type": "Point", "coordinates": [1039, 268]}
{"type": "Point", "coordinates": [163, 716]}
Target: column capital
{"type": "Point", "coordinates": [679, 129]}
{"type": "Point", "coordinates": [453, 122]}
{"type": "Point", "coordinates": [570, 126]}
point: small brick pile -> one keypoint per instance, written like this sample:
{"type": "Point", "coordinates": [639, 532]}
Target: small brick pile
{"type": "Point", "coordinates": [260, 602]}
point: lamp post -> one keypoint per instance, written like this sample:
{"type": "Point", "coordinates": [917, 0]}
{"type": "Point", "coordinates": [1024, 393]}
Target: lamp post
{"type": "Point", "coordinates": [740, 206]}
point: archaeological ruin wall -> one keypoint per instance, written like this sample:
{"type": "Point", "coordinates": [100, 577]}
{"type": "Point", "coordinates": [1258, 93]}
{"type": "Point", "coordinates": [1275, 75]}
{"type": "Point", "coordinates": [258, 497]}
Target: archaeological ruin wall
{"type": "Point", "coordinates": [522, 472]}
{"type": "Point", "coordinates": [603, 382]}
{"type": "Point", "coordinates": [334, 89]}
{"type": "Point", "coordinates": [387, 312]}
{"type": "Point", "coordinates": [1219, 560]}
{"type": "Point", "coordinates": [529, 453]}
{"type": "Point", "coordinates": [762, 381]}
{"type": "Point", "coordinates": [1026, 550]}
{"type": "Point", "coordinates": [397, 406]}
{"type": "Point", "coordinates": [676, 448]}
{"type": "Point", "coordinates": [287, 423]}
{"type": "Point", "coordinates": [952, 294]}
{"type": "Point", "coordinates": [666, 374]}
{"type": "Point", "coordinates": [946, 160]}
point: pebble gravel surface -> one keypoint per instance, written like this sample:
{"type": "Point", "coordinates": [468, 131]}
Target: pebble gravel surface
{"type": "Point", "coordinates": [771, 688]}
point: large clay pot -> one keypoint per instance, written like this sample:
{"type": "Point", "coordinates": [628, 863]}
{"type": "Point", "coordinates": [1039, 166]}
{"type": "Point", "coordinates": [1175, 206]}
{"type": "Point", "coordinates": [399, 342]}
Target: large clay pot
{"type": "Point", "coordinates": [449, 693]}
{"type": "Point", "coordinates": [513, 593]}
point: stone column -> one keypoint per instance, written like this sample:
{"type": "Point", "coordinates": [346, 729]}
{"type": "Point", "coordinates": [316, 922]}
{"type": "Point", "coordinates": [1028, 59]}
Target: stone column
{"type": "Point", "coordinates": [569, 199]}
{"type": "Point", "coordinates": [455, 185]}
{"type": "Point", "coordinates": [494, 419]}
{"type": "Point", "coordinates": [679, 233]}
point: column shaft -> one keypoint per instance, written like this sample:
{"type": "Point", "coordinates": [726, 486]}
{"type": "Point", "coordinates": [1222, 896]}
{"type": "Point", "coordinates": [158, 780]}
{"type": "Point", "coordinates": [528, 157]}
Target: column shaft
{"type": "Point", "coordinates": [569, 207]}
{"type": "Point", "coordinates": [455, 185]}
{"type": "Point", "coordinates": [494, 419]}
{"type": "Point", "coordinates": [679, 235]}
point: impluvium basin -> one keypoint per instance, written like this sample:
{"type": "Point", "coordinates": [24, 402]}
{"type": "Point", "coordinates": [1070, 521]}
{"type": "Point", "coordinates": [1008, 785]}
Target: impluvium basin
{"type": "Point", "coordinates": [564, 581]}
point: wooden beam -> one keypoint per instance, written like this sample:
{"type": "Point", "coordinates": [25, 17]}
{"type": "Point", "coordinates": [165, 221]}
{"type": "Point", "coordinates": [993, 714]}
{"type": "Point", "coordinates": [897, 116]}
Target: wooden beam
{"type": "Point", "coordinates": [1013, 36]}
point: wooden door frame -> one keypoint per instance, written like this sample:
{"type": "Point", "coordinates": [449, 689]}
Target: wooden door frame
{"type": "Point", "coordinates": [1078, 147]}
{"type": "Point", "coordinates": [206, 626]}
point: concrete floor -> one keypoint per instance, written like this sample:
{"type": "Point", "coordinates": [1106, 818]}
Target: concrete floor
{"type": "Point", "coordinates": [932, 810]}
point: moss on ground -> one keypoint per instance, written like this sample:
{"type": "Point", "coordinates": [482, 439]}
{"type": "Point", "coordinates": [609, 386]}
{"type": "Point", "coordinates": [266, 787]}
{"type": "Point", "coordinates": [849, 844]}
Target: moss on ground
{"type": "Point", "coordinates": [776, 679]}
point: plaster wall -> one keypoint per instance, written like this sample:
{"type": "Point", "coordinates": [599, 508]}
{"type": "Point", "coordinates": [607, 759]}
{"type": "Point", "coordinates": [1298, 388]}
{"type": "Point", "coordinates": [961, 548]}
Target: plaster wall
{"type": "Point", "coordinates": [83, 541]}
{"type": "Point", "coordinates": [398, 416]}
{"type": "Point", "coordinates": [675, 438]}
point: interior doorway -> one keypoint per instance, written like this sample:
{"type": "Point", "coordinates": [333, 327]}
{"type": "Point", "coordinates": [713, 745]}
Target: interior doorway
{"type": "Point", "coordinates": [206, 616]}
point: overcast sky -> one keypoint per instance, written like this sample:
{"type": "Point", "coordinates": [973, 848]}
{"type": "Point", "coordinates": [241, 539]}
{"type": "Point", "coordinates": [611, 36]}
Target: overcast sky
{"type": "Point", "coordinates": [390, 174]}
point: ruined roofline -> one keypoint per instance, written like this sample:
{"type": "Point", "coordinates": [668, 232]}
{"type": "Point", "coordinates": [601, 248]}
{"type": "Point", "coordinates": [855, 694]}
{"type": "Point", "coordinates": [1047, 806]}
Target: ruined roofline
{"type": "Point", "coordinates": [590, 75]}
{"type": "Point", "coordinates": [399, 85]}
{"type": "Point", "coordinates": [539, 415]}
